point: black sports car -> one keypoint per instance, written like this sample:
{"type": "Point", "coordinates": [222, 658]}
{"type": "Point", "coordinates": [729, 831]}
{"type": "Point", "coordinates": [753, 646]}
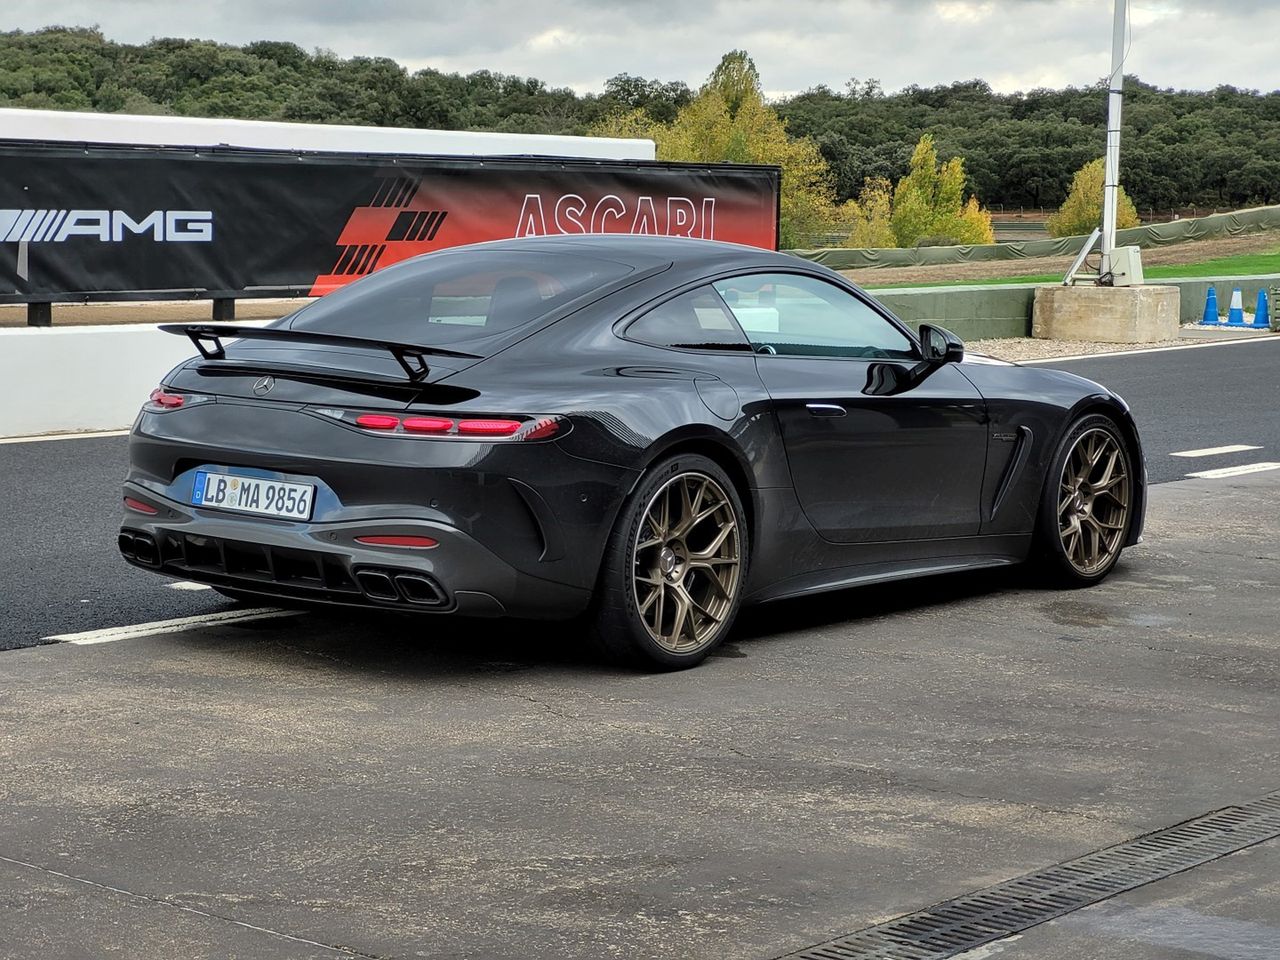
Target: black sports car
{"type": "Point", "coordinates": [647, 431]}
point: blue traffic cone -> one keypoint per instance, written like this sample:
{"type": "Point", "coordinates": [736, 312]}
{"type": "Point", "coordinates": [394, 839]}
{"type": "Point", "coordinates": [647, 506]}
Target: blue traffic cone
{"type": "Point", "coordinates": [1211, 307]}
{"type": "Point", "coordinates": [1262, 313]}
{"type": "Point", "coordinates": [1235, 312]}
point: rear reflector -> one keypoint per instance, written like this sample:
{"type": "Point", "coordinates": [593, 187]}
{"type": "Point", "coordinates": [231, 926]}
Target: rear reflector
{"type": "Point", "coordinates": [416, 543]}
{"type": "Point", "coordinates": [139, 507]}
{"type": "Point", "coordinates": [377, 421]}
{"type": "Point", "coordinates": [427, 424]}
{"type": "Point", "coordinates": [488, 428]}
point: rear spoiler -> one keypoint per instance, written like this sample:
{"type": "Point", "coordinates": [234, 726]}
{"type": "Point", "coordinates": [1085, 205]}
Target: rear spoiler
{"type": "Point", "coordinates": [412, 358]}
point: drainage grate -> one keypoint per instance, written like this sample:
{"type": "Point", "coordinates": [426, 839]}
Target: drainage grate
{"type": "Point", "coordinates": [999, 911]}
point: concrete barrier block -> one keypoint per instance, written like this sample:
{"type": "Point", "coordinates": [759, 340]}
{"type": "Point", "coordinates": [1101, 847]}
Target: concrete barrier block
{"type": "Point", "coordinates": [1106, 314]}
{"type": "Point", "coordinates": [81, 378]}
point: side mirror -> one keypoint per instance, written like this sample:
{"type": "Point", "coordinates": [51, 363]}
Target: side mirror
{"type": "Point", "coordinates": [939, 345]}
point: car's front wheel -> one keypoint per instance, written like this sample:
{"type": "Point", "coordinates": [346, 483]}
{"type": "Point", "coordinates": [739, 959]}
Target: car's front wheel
{"type": "Point", "coordinates": [673, 571]}
{"type": "Point", "coordinates": [1087, 504]}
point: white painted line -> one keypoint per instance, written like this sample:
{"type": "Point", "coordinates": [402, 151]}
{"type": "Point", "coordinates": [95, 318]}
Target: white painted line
{"type": "Point", "coordinates": [86, 435]}
{"type": "Point", "coordinates": [179, 625]}
{"type": "Point", "coordinates": [1129, 353]}
{"type": "Point", "coordinates": [188, 585]}
{"type": "Point", "coordinates": [1234, 471]}
{"type": "Point", "coordinates": [1215, 451]}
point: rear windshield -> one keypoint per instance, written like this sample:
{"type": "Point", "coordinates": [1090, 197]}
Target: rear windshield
{"type": "Point", "coordinates": [462, 299]}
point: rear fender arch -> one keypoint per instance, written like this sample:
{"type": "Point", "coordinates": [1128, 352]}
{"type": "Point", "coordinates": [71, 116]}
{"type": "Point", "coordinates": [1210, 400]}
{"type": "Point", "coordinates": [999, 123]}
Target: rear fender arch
{"type": "Point", "coordinates": [715, 445]}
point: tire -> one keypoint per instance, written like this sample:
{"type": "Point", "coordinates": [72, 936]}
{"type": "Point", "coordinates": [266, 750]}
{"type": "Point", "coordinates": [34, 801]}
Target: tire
{"type": "Point", "coordinates": [1086, 507]}
{"type": "Point", "coordinates": [669, 591]}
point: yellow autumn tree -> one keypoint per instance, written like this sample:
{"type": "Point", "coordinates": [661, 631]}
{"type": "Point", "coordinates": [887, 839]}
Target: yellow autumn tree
{"type": "Point", "coordinates": [929, 206]}
{"type": "Point", "coordinates": [729, 122]}
{"type": "Point", "coordinates": [1082, 210]}
{"type": "Point", "coordinates": [870, 217]}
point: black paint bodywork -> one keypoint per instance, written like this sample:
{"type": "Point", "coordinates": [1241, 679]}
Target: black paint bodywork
{"type": "Point", "coordinates": [935, 467]}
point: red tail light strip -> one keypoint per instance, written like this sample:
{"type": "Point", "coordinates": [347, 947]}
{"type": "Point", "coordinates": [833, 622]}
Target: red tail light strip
{"type": "Point", "coordinates": [493, 428]}
{"type": "Point", "coordinates": [377, 421]}
{"type": "Point", "coordinates": [137, 506]}
{"type": "Point", "coordinates": [169, 401]}
{"type": "Point", "coordinates": [427, 424]}
{"type": "Point", "coordinates": [489, 428]}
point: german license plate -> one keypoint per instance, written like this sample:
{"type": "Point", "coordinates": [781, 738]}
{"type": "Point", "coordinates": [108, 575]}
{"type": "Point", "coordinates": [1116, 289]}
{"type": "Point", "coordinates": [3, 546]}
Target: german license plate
{"type": "Point", "coordinates": [267, 498]}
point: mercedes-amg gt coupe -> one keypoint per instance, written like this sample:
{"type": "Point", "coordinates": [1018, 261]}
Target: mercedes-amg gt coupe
{"type": "Point", "coordinates": [641, 433]}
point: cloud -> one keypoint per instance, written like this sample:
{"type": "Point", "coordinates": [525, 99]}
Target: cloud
{"type": "Point", "coordinates": [797, 44]}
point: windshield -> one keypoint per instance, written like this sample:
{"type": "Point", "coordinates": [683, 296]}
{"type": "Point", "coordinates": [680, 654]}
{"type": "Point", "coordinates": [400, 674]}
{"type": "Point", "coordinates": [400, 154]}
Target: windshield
{"type": "Point", "coordinates": [462, 299]}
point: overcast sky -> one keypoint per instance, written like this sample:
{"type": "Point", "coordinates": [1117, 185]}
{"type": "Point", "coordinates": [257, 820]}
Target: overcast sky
{"type": "Point", "coordinates": [1013, 44]}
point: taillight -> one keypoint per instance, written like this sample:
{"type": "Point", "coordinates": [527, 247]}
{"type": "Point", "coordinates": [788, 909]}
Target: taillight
{"type": "Point", "coordinates": [139, 507]}
{"type": "Point", "coordinates": [491, 428]}
{"type": "Point", "coordinates": [165, 400]}
{"type": "Point", "coordinates": [413, 543]}
{"type": "Point", "coordinates": [427, 424]}
{"type": "Point", "coordinates": [488, 428]}
{"type": "Point", "coordinates": [541, 429]}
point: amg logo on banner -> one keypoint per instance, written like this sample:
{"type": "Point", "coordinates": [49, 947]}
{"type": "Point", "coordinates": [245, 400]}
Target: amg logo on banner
{"type": "Point", "coordinates": [107, 226]}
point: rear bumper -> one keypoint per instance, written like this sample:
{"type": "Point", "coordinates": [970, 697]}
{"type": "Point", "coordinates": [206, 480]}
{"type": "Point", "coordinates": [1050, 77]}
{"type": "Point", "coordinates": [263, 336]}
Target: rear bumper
{"type": "Point", "coordinates": [324, 563]}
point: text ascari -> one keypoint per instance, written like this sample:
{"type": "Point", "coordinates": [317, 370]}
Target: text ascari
{"type": "Point", "coordinates": [571, 213]}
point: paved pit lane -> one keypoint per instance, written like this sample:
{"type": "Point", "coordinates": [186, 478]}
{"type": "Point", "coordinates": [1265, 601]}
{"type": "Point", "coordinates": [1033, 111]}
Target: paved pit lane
{"type": "Point", "coordinates": [319, 786]}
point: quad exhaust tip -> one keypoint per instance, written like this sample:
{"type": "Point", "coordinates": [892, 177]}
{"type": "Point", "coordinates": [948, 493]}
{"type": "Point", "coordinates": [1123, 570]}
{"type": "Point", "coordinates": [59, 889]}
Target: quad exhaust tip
{"type": "Point", "coordinates": [139, 547]}
{"type": "Point", "coordinates": [419, 589]}
{"type": "Point", "coordinates": [396, 586]}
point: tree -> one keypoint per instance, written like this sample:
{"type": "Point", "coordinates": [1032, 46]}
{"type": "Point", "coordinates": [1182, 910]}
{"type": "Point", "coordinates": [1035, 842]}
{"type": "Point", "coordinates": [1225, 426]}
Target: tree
{"type": "Point", "coordinates": [1082, 210]}
{"type": "Point", "coordinates": [736, 79]}
{"type": "Point", "coordinates": [870, 217]}
{"type": "Point", "coordinates": [929, 206]}
{"type": "Point", "coordinates": [729, 122]}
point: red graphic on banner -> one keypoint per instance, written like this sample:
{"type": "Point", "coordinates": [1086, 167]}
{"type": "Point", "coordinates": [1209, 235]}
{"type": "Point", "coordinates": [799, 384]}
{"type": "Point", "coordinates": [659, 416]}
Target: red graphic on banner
{"type": "Point", "coordinates": [407, 216]}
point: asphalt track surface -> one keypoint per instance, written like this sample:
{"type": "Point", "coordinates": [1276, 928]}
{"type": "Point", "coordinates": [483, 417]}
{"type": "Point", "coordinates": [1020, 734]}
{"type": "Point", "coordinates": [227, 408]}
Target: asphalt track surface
{"type": "Point", "coordinates": [59, 500]}
{"type": "Point", "coordinates": [314, 787]}
{"type": "Point", "coordinates": [321, 786]}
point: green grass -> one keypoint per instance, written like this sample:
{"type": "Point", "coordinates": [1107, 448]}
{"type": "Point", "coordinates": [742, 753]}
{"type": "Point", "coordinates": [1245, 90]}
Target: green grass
{"type": "Point", "coordinates": [1243, 265]}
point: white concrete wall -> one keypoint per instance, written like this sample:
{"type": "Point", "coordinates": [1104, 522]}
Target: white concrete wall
{"type": "Point", "coordinates": [71, 127]}
{"type": "Point", "coordinates": [55, 380]}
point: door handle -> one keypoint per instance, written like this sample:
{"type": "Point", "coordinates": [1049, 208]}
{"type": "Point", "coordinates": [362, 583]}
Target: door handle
{"type": "Point", "coordinates": [825, 409]}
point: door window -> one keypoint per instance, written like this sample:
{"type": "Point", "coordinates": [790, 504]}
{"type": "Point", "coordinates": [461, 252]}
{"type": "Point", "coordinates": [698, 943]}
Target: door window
{"type": "Point", "coordinates": [796, 315]}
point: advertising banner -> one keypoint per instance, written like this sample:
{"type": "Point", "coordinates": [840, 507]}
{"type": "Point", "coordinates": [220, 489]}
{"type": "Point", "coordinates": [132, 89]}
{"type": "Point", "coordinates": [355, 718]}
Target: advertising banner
{"type": "Point", "coordinates": [170, 223]}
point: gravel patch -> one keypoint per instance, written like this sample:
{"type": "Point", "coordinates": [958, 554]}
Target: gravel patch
{"type": "Point", "coordinates": [1029, 348]}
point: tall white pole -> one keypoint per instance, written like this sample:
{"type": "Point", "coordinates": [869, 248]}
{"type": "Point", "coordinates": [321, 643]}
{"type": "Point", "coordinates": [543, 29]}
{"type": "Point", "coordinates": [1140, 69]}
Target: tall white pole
{"type": "Point", "coordinates": [1115, 100]}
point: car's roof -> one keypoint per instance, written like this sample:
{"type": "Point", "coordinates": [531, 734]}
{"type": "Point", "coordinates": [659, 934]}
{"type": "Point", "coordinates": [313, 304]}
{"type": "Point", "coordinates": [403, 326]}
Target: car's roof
{"type": "Point", "coordinates": [643, 250]}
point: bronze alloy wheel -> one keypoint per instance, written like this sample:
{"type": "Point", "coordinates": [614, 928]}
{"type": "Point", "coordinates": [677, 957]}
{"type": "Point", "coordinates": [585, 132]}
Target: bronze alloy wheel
{"type": "Point", "coordinates": [686, 563]}
{"type": "Point", "coordinates": [1094, 496]}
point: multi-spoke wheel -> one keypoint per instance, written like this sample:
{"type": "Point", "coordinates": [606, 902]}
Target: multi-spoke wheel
{"type": "Point", "coordinates": [1088, 501]}
{"type": "Point", "coordinates": [674, 569]}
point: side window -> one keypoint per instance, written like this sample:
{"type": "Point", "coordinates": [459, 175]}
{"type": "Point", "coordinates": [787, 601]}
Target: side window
{"type": "Point", "coordinates": [693, 320]}
{"type": "Point", "coordinates": [803, 316]}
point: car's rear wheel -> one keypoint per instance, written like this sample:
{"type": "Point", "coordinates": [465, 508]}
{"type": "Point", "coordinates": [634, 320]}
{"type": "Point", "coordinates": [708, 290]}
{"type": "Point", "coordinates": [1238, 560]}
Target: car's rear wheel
{"type": "Point", "coordinates": [671, 582]}
{"type": "Point", "coordinates": [1087, 504]}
